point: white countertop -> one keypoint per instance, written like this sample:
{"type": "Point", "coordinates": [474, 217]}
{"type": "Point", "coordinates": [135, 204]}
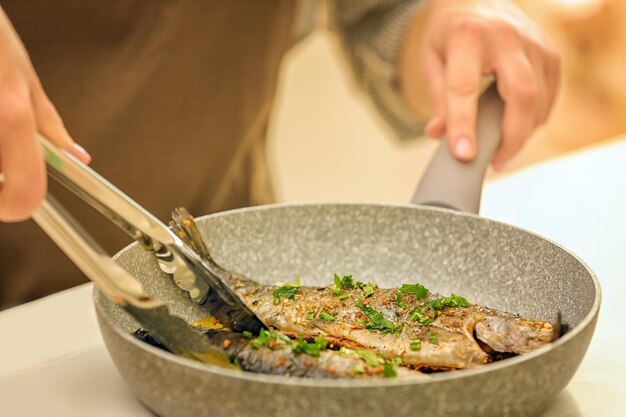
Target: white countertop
{"type": "Point", "coordinates": [579, 201]}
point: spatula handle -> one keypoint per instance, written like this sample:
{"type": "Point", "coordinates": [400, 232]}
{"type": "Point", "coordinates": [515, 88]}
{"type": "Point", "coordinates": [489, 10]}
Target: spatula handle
{"type": "Point", "coordinates": [450, 183]}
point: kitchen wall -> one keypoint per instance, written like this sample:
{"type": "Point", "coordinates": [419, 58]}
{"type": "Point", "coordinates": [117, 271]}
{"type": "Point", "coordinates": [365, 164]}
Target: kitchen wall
{"type": "Point", "coordinates": [327, 143]}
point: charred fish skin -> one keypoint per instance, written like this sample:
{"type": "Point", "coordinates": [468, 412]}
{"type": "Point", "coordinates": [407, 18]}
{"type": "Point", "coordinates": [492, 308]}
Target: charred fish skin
{"type": "Point", "coordinates": [453, 328]}
{"type": "Point", "coordinates": [279, 358]}
{"type": "Point", "coordinates": [455, 348]}
{"type": "Point", "coordinates": [445, 335]}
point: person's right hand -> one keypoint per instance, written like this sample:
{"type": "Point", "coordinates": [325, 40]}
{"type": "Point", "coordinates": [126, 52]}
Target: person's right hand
{"type": "Point", "coordinates": [24, 110]}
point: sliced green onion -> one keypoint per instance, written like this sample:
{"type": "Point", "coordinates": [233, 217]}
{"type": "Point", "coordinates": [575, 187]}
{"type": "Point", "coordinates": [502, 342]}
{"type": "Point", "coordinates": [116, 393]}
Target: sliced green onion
{"type": "Point", "coordinates": [416, 344]}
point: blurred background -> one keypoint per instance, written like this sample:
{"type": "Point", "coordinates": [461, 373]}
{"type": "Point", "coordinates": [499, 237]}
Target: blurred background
{"type": "Point", "coordinates": [328, 143]}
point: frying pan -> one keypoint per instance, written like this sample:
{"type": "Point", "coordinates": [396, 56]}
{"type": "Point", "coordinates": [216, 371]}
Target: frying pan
{"type": "Point", "coordinates": [489, 262]}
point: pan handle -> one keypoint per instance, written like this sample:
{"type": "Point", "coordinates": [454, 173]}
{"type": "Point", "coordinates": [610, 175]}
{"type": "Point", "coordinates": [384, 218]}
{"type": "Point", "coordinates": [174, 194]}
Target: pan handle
{"type": "Point", "coordinates": [450, 183]}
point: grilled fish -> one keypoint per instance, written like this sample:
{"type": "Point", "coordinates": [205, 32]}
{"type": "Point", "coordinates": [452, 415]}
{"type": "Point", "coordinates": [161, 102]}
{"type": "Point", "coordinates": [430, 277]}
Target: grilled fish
{"type": "Point", "coordinates": [445, 335]}
{"type": "Point", "coordinates": [421, 329]}
{"type": "Point", "coordinates": [272, 352]}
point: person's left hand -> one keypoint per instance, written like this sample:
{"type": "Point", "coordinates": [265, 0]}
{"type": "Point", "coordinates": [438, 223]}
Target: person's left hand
{"type": "Point", "coordinates": [451, 45]}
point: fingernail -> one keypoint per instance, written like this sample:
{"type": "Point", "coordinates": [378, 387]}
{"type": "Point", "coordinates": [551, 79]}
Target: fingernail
{"type": "Point", "coordinates": [463, 148]}
{"type": "Point", "coordinates": [81, 153]}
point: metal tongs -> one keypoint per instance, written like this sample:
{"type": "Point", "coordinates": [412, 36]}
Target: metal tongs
{"type": "Point", "coordinates": [190, 272]}
{"type": "Point", "coordinates": [121, 288]}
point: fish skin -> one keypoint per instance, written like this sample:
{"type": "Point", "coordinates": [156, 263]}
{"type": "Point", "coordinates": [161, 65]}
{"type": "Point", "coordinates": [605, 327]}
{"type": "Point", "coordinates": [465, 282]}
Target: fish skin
{"type": "Point", "coordinates": [454, 328]}
{"type": "Point", "coordinates": [282, 360]}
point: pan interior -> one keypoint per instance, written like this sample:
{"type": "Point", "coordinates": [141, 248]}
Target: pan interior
{"type": "Point", "coordinates": [489, 263]}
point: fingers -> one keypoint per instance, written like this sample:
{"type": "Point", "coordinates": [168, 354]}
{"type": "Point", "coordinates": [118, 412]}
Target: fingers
{"type": "Point", "coordinates": [552, 73]}
{"type": "Point", "coordinates": [464, 64]}
{"type": "Point", "coordinates": [434, 70]}
{"type": "Point", "coordinates": [24, 183]}
{"type": "Point", "coordinates": [520, 91]}
{"type": "Point", "coordinates": [50, 124]}
{"type": "Point", "coordinates": [473, 39]}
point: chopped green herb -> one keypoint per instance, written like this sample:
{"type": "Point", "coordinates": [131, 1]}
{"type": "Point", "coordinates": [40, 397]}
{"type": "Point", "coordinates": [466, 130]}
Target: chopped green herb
{"type": "Point", "coordinates": [422, 317]}
{"type": "Point", "coordinates": [247, 334]}
{"type": "Point", "coordinates": [288, 291]}
{"type": "Point", "coordinates": [399, 299]}
{"type": "Point", "coordinates": [432, 338]}
{"type": "Point", "coordinates": [456, 300]}
{"type": "Point", "coordinates": [418, 289]}
{"type": "Point", "coordinates": [370, 358]}
{"type": "Point", "coordinates": [453, 300]}
{"type": "Point", "coordinates": [346, 282]}
{"type": "Point", "coordinates": [264, 339]}
{"type": "Point", "coordinates": [388, 371]}
{"type": "Point", "coordinates": [325, 316]}
{"type": "Point", "coordinates": [342, 283]}
{"type": "Point", "coordinates": [376, 319]}
{"type": "Point", "coordinates": [310, 348]}
{"type": "Point", "coordinates": [368, 289]}
{"type": "Point", "coordinates": [358, 369]}
{"type": "Point", "coordinates": [416, 344]}
{"type": "Point", "coordinates": [310, 314]}
{"type": "Point", "coordinates": [281, 336]}
{"type": "Point", "coordinates": [388, 368]}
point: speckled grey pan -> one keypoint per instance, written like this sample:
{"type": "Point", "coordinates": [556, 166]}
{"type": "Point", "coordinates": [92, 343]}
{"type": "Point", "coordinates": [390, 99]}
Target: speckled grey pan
{"type": "Point", "coordinates": [488, 262]}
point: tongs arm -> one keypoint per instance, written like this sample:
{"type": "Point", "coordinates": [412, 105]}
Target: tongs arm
{"type": "Point", "coordinates": [190, 272]}
{"type": "Point", "coordinates": [105, 197]}
{"type": "Point", "coordinates": [122, 288]}
{"type": "Point", "coordinates": [89, 257]}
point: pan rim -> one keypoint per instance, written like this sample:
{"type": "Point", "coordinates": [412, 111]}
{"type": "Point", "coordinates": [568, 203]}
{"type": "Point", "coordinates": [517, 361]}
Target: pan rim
{"type": "Point", "coordinates": [369, 383]}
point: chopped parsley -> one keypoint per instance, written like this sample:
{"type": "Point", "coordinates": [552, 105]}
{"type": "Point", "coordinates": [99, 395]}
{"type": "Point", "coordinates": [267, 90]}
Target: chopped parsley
{"type": "Point", "coordinates": [325, 316]}
{"type": "Point", "coordinates": [265, 338]}
{"type": "Point", "coordinates": [288, 291]}
{"type": "Point", "coordinates": [370, 358]}
{"type": "Point", "coordinates": [348, 283]}
{"type": "Point", "coordinates": [399, 299]}
{"type": "Point", "coordinates": [375, 361]}
{"type": "Point", "coordinates": [376, 320]}
{"type": "Point", "coordinates": [416, 344]}
{"type": "Point", "coordinates": [422, 317]}
{"type": "Point", "coordinates": [276, 340]}
{"type": "Point", "coordinates": [310, 348]}
{"type": "Point", "coordinates": [432, 338]}
{"type": "Point", "coordinates": [358, 369]}
{"type": "Point", "coordinates": [418, 289]}
{"type": "Point", "coordinates": [246, 334]}
{"type": "Point", "coordinates": [343, 283]}
{"type": "Point", "coordinates": [389, 368]}
{"type": "Point", "coordinates": [330, 316]}
{"type": "Point", "coordinates": [425, 317]}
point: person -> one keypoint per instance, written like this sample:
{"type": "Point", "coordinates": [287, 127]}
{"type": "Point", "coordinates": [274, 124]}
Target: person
{"type": "Point", "coordinates": [173, 99]}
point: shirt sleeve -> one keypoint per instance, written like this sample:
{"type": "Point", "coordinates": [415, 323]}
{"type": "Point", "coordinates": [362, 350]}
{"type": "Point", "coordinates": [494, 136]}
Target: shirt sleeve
{"type": "Point", "coordinates": [371, 34]}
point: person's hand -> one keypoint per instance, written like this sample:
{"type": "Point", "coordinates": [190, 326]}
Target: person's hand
{"type": "Point", "coordinates": [24, 110]}
{"type": "Point", "coordinates": [451, 45]}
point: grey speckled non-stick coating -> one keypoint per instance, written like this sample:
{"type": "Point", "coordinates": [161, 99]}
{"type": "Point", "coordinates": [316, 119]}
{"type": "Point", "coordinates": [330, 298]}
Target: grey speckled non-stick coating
{"type": "Point", "coordinates": [488, 262]}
